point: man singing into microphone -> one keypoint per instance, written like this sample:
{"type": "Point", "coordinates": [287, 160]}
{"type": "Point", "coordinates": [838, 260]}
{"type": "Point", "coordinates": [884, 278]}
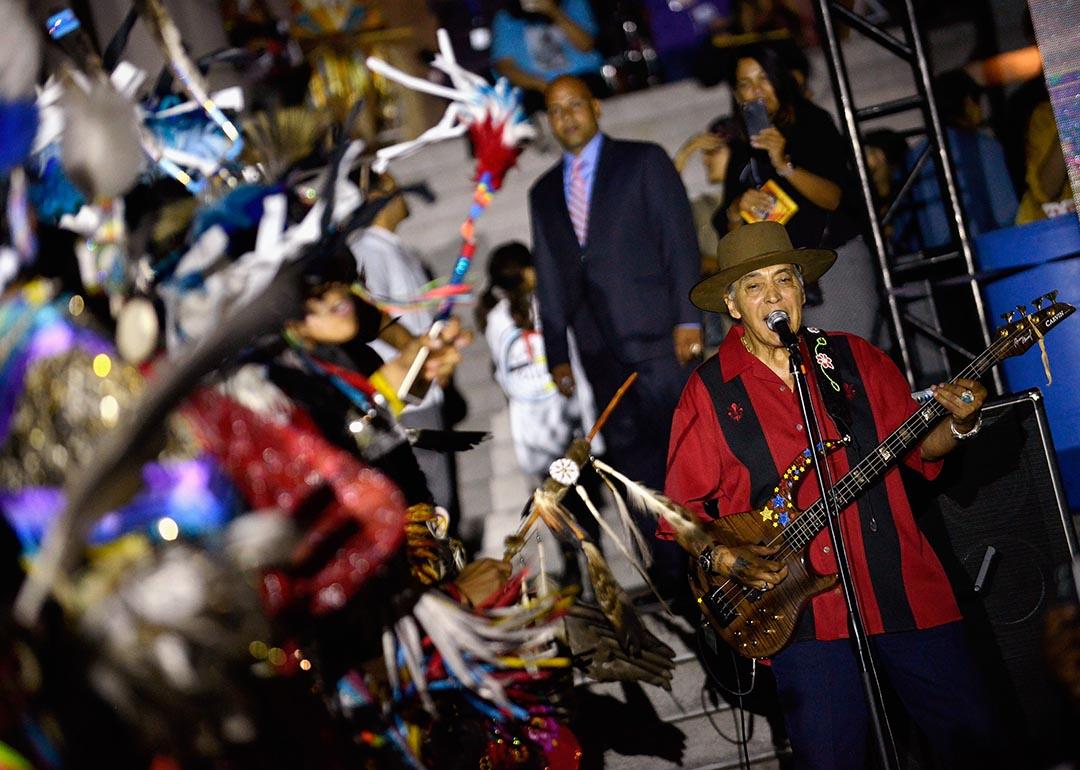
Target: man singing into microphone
{"type": "Point", "coordinates": [737, 428]}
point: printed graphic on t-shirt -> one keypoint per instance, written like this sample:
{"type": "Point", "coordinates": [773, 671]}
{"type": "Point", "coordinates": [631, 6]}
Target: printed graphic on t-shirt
{"type": "Point", "coordinates": [524, 366]}
{"type": "Point", "coordinates": [546, 46]}
{"type": "Point", "coordinates": [704, 15]}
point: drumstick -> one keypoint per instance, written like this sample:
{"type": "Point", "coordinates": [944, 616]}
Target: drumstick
{"type": "Point", "coordinates": [418, 362]}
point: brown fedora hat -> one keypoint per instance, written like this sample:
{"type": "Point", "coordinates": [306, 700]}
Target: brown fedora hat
{"type": "Point", "coordinates": [751, 247]}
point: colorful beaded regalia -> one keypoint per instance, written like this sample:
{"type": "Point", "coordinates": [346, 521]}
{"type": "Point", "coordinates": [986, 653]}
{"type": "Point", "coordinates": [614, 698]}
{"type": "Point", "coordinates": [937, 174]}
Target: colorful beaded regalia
{"type": "Point", "coordinates": [217, 572]}
{"type": "Point", "coordinates": [62, 388]}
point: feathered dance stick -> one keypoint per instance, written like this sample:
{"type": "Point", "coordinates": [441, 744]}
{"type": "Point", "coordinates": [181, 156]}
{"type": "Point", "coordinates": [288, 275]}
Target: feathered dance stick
{"type": "Point", "coordinates": [495, 122]}
{"type": "Point", "coordinates": [564, 472]}
{"type": "Point", "coordinates": [167, 36]}
{"type": "Point", "coordinates": [688, 530]}
{"type": "Point", "coordinates": [545, 505]}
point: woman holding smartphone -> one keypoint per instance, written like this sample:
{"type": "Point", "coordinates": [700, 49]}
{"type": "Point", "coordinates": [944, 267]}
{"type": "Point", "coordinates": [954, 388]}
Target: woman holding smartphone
{"type": "Point", "coordinates": [787, 154]}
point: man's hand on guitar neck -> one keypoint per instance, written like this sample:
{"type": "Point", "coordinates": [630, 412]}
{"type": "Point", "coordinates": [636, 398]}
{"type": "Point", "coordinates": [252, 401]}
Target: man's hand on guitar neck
{"type": "Point", "coordinates": [748, 564]}
{"type": "Point", "coordinates": [963, 399]}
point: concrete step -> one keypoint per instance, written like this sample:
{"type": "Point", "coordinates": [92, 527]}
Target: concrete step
{"type": "Point", "coordinates": [644, 727]}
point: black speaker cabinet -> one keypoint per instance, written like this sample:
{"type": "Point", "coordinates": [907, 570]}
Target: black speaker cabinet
{"type": "Point", "coordinates": [999, 521]}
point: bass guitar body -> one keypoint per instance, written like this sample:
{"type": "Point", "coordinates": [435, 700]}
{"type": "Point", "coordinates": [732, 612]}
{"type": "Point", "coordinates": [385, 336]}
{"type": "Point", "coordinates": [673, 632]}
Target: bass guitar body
{"type": "Point", "coordinates": [755, 623]}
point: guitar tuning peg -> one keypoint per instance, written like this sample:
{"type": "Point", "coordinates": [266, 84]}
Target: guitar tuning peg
{"type": "Point", "coordinates": [1051, 296]}
{"type": "Point", "coordinates": [1037, 303]}
{"type": "Point", "coordinates": [1022, 310]}
{"type": "Point", "coordinates": [1008, 316]}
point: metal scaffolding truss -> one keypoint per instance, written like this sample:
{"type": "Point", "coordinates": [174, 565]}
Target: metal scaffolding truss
{"type": "Point", "coordinates": [920, 276]}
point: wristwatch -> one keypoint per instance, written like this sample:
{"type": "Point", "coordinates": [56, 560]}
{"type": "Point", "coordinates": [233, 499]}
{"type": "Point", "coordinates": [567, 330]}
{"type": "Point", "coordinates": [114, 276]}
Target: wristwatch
{"type": "Point", "coordinates": [962, 436]}
{"type": "Point", "coordinates": [704, 560]}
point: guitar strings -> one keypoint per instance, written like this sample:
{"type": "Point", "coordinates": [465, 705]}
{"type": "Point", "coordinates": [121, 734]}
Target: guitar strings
{"type": "Point", "coordinates": [810, 522]}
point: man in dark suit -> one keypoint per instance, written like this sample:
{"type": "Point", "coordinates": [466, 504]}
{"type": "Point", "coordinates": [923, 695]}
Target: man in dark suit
{"type": "Point", "coordinates": [616, 256]}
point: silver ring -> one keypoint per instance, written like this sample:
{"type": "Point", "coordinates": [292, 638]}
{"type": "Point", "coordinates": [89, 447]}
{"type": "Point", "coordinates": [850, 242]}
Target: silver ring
{"type": "Point", "coordinates": [967, 397]}
{"type": "Point", "coordinates": [695, 348]}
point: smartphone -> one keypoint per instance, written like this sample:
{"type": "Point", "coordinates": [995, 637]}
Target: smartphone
{"type": "Point", "coordinates": [756, 116]}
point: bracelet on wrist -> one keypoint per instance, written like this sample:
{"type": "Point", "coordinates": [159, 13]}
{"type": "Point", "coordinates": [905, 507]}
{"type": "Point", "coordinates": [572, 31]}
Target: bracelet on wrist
{"type": "Point", "coordinates": [704, 560]}
{"type": "Point", "coordinates": [786, 168]}
{"type": "Point", "coordinates": [968, 433]}
{"type": "Point", "coordinates": [387, 391]}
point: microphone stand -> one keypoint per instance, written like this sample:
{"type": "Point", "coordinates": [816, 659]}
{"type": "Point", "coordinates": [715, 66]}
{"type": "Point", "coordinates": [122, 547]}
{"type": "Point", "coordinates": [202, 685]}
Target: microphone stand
{"type": "Point", "coordinates": [878, 718]}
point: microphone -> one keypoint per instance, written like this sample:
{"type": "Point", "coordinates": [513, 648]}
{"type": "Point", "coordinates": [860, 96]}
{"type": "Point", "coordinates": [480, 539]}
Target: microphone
{"type": "Point", "coordinates": [777, 321]}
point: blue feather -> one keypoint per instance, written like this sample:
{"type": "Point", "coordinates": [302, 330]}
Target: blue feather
{"type": "Point", "coordinates": [18, 127]}
{"type": "Point", "coordinates": [53, 194]}
{"type": "Point", "coordinates": [238, 211]}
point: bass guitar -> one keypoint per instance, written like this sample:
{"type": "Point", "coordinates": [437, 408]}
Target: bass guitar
{"type": "Point", "coordinates": [757, 623]}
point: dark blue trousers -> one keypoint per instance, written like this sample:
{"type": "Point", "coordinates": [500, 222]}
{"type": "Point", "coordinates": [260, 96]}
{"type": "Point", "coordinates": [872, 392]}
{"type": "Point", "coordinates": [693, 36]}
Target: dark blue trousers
{"type": "Point", "coordinates": [932, 673]}
{"type": "Point", "coordinates": [636, 436]}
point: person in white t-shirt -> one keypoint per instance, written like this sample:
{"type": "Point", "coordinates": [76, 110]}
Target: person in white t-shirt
{"type": "Point", "coordinates": [391, 271]}
{"type": "Point", "coordinates": [543, 422]}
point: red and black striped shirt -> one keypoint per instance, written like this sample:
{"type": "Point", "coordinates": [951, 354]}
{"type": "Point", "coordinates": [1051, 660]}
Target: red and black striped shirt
{"type": "Point", "coordinates": [899, 580]}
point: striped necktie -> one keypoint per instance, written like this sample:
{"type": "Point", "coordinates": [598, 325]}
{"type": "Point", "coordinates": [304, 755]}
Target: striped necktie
{"type": "Point", "coordinates": [578, 205]}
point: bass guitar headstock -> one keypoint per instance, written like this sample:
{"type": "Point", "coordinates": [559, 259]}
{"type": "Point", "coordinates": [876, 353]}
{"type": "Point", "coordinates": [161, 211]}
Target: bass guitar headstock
{"type": "Point", "coordinates": [1024, 327]}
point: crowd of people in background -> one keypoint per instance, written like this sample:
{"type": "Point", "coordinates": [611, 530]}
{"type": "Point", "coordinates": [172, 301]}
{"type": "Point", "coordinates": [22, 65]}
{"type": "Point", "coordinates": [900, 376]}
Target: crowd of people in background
{"type": "Point", "coordinates": [1008, 163]}
{"type": "Point", "coordinates": [613, 44]}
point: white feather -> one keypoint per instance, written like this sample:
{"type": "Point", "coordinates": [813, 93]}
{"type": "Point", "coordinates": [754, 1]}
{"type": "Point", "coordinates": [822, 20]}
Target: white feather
{"type": "Point", "coordinates": [454, 641]}
{"type": "Point", "coordinates": [411, 646]}
{"type": "Point", "coordinates": [460, 635]}
{"type": "Point", "coordinates": [250, 387]}
{"type": "Point", "coordinates": [655, 504]}
{"type": "Point", "coordinates": [630, 528]}
{"type": "Point", "coordinates": [636, 564]}
{"type": "Point", "coordinates": [389, 648]}
{"type": "Point", "coordinates": [261, 539]}
{"type": "Point", "coordinates": [20, 51]}
{"type": "Point", "coordinates": [101, 149]}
